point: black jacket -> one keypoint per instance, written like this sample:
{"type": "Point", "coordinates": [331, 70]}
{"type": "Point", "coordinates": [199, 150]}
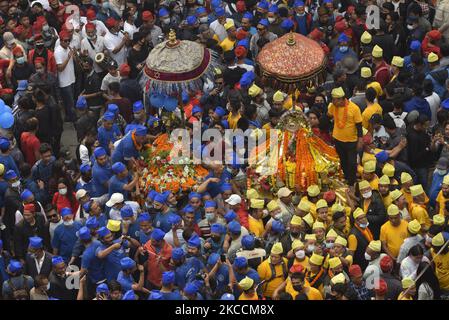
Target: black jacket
{"type": "Point", "coordinates": [376, 214]}
{"type": "Point", "coordinates": [30, 266]}
{"type": "Point", "coordinates": [24, 231]}
{"type": "Point", "coordinates": [418, 147]}
{"type": "Point", "coordinates": [58, 288]}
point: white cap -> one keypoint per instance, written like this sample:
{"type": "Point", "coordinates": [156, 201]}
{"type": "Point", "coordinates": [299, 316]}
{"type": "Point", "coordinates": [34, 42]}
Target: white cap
{"type": "Point", "coordinates": [80, 193]}
{"type": "Point", "coordinates": [234, 199]}
{"type": "Point", "coordinates": [115, 198]}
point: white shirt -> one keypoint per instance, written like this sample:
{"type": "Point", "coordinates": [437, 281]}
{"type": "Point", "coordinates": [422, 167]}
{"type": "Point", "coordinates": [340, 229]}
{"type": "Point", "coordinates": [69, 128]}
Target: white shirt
{"type": "Point", "coordinates": [409, 267]}
{"type": "Point", "coordinates": [130, 28]}
{"type": "Point", "coordinates": [114, 214]}
{"type": "Point", "coordinates": [98, 46]}
{"type": "Point", "coordinates": [84, 154]}
{"type": "Point", "coordinates": [67, 76]}
{"type": "Point", "coordinates": [109, 78]}
{"type": "Point", "coordinates": [219, 29]}
{"type": "Point", "coordinates": [245, 66]}
{"type": "Point", "coordinates": [99, 26]}
{"type": "Point", "coordinates": [169, 237]}
{"type": "Point", "coordinates": [39, 263]}
{"type": "Point", "coordinates": [75, 43]}
{"type": "Point", "coordinates": [434, 103]}
{"type": "Point", "coordinates": [112, 41]}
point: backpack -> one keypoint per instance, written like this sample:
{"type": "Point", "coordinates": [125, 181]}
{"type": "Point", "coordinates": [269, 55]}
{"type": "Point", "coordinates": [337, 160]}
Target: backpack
{"type": "Point", "coordinates": [20, 293]}
{"type": "Point", "coordinates": [399, 119]}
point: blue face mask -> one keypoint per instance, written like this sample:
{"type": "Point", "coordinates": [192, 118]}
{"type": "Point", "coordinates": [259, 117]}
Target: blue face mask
{"type": "Point", "coordinates": [343, 48]}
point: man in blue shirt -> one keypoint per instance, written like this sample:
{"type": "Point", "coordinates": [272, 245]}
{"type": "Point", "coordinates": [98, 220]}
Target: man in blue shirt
{"type": "Point", "coordinates": [5, 156]}
{"type": "Point", "coordinates": [108, 132]}
{"type": "Point", "coordinates": [130, 146]}
{"type": "Point", "coordinates": [168, 291]}
{"type": "Point", "coordinates": [43, 168]}
{"type": "Point", "coordinates": [122, 181]}
{"type": "Point", "coordinates": [185, 269]}
{"type": "Point", "coordinates": [130, 226]}
{"type": "Point", "coordinates": [195, 203]}
{"type": "Point", "coordinates": [242, 270]}
{"type": "Point", "coordinates": [93, 209]}
{"type": "Point", "coordinates": [161, 220]}
{"type": "Point", "coordinates": [214, 244]}
{"type": "Point", "coordinates": [218, 274]}
{"type": "Point", "coordinates": [213, 181]}
{"type": "Point", "coordinates": [145, 229]}
{"type": "Point", "coordinates": [85, 181]}
{"type": "Point", "coordinates": [191, 292]}
{"type": "Point", "coordinates": [126, 279]}
{"type": "Point", "coordinates": [65, 235]}
{"type": "Point", "coordinates": [101, 172]}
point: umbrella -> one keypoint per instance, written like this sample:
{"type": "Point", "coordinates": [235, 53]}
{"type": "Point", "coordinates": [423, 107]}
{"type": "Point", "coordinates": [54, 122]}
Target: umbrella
{"type": "Point", "coordinates": [293, 62]}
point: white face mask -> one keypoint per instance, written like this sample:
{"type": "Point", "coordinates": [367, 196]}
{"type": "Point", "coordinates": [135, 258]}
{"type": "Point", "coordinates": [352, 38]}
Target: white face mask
{"type": "Point", "coordinates": [166, 20]}
{"type": "Point", "coordinates": [410, 27]}
{"type": "Point", "coordinates": [311, 248]}
{"type": "Point", "coordinates": [367, 195]}
{"type": "Point", "coordinates": [441, 172]}
{"type": "Point", "coordinates": [364, 225]}
{"type": "Point", "coordinates": [203, 19]}
{"type": "Point", "coordinates": [271, 20]}
{"type": "Point", "coordinates": [278, 216]}
{"type": "Point", "coordinates": [68, 223]}
{"type": "Point", "coordinates": [16, 184]}
{"type": "Point", "coordinates": [210, 216]}
{"type": "Point", "coordinates": [367, 257]}
{"type": "Point", "coordinates": [300, 254]}
{"type": "Point", "coordinates": [63, 191]}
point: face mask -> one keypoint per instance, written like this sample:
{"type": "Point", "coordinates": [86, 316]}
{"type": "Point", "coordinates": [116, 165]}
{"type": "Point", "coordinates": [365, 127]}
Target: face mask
{"type": "Point", "coordinates": [311, 248]}
{"type": "Point", "coordinates": [20, 60]}
{"type": "Point", "coordinates": [428, 238]}
{"type": "Point", "coordinates": [40, 71]}
{"type": "Point", "coordinates": [68, 223]}
{"type": "Point", "coordinates": [177, 10]}
{"type": "Point", "coordinates": [441, 172]}
{"type": "Point", "coordinates": [271, 20]}
{"type": "Point", "coordinates": [45, 28]}
{"type": "Point", "coordinates": [278, 216]}
{"type": "Point", "coordinates": [16, 184]}
{"type": "Point", "coordinates": [343, 48]}
{"type": "Point", "coordinates": [91, 37]}
{"type": "Point", "coordinates": [410, 27]}
{"type": "Point", "coordinates": [298, 287]}
{"type": "Point", "coordinates": [204, 19]}
{"type": "Point", "coordinates": [210, 216]}
{"type": "Point", "coordinates": [367, 257]}
{"type": "Point", "coordinates": [367, 195]}
{"type": "Point", "coordinates": [166, 21]}
{"type": "Point", "coordinates": [329, 245]}
{"type": "Point", "coordinates": [306, 109]}
{"type": "Point", "coordinates": [364, 225]}
{"type": "Point", "coordinates": [33, 256]}
{"type": "Point", "coordinates": [300, 254]}
{"type": "Point", "coordinates": [63, 191]}
{"type": "Point", "coordinates": [137, 116]}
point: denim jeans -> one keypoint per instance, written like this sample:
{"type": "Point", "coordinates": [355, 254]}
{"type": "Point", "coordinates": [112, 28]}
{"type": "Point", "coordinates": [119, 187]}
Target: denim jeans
{"type": "Point", "coordinates": [69, 102]}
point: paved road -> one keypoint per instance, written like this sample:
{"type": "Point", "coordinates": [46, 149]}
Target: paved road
{"type": "Point", "coordinates": [68, 138]}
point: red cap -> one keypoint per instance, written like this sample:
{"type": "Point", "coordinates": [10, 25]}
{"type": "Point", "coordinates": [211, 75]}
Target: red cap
{"type": "Point", "coordinates": [90, 26]}
{"type": "Point", "coordinates": [19, 29]}
{"type": "Point", "coordinates": [240, 5]}
{"type": "Point", "coordinates": [329, 196]}
{"type": "Point", "coordinates": [124, 70]}
{"type": "Point", "coordinates": [386, 264]}
{"type": "Point", "coordinates": [316, 34]}
{"type": "Point", "coordinates": [434, 35]}
{"type": "Point", "coordinates": [355, 270]}
{"type": "Point", "coordinates": [64, 35]}
{"type": "Point", "coordinates": [29, 207]}
{"type": "Point", "coordinates": [382, 289]}
{"type": "Point", "coordinates": [40, 60]}
{"type": "Point", "coordinates": [240, 51]}
{"type": "Point", "coordinates": [339, 18]}
{"type": "Point", "coordinates": [147, 16]}
{"type": "Point", "coordinates": [340, 26]}
{"type": "Point", "coordinates": [17, 50]}
{"type": "Point", "coordinates": [111, 22]}
{"type": "Point", "coordinates": [241, 34]}
{"type": "Point", "coordinates": [91, 15]}
{"type": "Point", "coordinates": [297, 268]}
{"type": "Point", "coordinates": [37, 36]}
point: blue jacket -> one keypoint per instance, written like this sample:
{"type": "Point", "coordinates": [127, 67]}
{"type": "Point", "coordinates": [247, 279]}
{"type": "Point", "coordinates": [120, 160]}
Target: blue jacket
{"type": "Point", "coordinates": [125, 150]}
{"type": "Point", "coordinates": [65, 238]}
{"type": "Point", "coordinates": [435, 188]}
{"type": "Point", "coordinates": [419, 104]}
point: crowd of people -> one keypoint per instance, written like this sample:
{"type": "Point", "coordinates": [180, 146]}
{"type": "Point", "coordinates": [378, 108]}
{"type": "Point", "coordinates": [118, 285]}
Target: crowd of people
{"type": "Point", "coordinates": [81, 226]}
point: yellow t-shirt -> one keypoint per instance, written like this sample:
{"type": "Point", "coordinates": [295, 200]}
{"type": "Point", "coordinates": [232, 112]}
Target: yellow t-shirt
{"type": "Point", "coordinates": [304, 263]}
{"type": "Point", "coordinates": [442, 202]}
{"type": "Point", "coordinates": [227, 44]}
{"type": "Point", "coordinates": [264, 271]}
{"type": "Point", "coordinates": [394, 236]}
{"type": "Point", "coordinates": [244, 296]}
{"type": "Point", "coordinates": [256, 226]}
{"type": "Point", "coordinates": [233, 119]}
{"type": "Point", "coordinates": [312, 294]}
{"type": "Point", "coordinates": [420, 214]}
{"type": "Point", "coordinates": [345, 126]}
{"type": "Point", "coordinates": [387, 200]}
{"type": "Point", "coordinates": [441, 269]}
{"type": "Point", "coordinates": [368, 113]}
{"type": "Point", "coordinates": [407, 195]}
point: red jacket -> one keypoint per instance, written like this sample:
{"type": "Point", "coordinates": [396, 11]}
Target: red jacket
{"type": "Point", "coordinates": [154, 259]}
{"type": "Point", "coordinates": [382, 74]}
{"type": "Point", "coordinates": [61, 201]}
{"type": "Point", "coordinates": [51, 62]}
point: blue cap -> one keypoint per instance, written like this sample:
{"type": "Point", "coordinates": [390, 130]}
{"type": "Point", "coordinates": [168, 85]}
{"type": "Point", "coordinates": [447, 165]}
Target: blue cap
{"type": "Point", "coordinates": [445, 104]}
{"type": "Point", "coordinates": [160, 198]}
{"type": "Point", "coordinates": [163, 12]}
{"type": "Point", "coordinates": [287, 24]}
{"type": "Point", "coordinates": [230, 215]}
{"type": "Point", "coordinates": [87, 206]}
{"type": "Point", "coordinates": [153, 122]}
{"type": "Point", "coordinates": [155, 295]}
{"type": "Point", "coordinates": [56, 260]}
{"type": "Point", "coordinates": [144, 216]}
{"type": "Point", "coordinates": [137, 106]}
{"type": "Point", "coordinates": [127, 263]}
{"type": "Point", "coordinates": [243, 43]}
{"type": "Point", "coordinates": [4, 143]}
{"type": "Point", "coordinates": [240, 262]}
{"type": "Point", "coordinates": [299, 3]}
{"type": "Point", "coordinates": [81, 103]}
{"type": "Point", "coordinates": [22, 85]}
{"type": "Point", "coordinates": [215, 3]}
{"type": "Point", "coordinates": [205, 194]}
{"type": "Point", "coordinates": [219, 12]}
{"type": "Point", "coordinates": [277, 227]}
{"type": "Point", "coordinates": [99, 152]}
{"type": "Point", "coordinates": [118, 167]}
{"type": "Point", "coordinates": [273, 9]}
{"type": "Point", "coordinates": [194, 195]}
{"type": "Point", "coordinates": [15, 265]}
{"type": "Point", "coordinates": [227, 296]}
{"type": "Point", "coordinates": [92, 223]}
{"type": "Point", "coordinates": [264, 22]}
{"type": "Point", "coordinates": [210, 204]}
{"type": "Point", "coordinates": [213, 259]}
{"type": "Point", "coordinates": [188, 209]}
{"type": "Point", "coordinates": [191, 20]}
{"type": "Point", "coordinates": [200, 10]}
{"type": "Point", "coordinates": [129, 295]}
{"type": "Point", "coordinates": [263, 5]}
{"type": "Point", "coordinates": [66, 211]}
{"type": "Point", "coordinates": [130, 127]}
{"type": "Point", "coordinates": [415, 45]}
{"type": "Point", "coordinates": [217, 228]}
{"type": "Point", "coordinates": [196, 109]}
{"type": "Point", "coordinates": [102, 288]}
{"type": "Point", "coordinates": [126, 212]}
{"type": "Point", "coordinates": [10, 174]}
{"type": "Point", "coordinates": [190, 289]}
{"type": "Point", "coordinates": [141, 130]}
{"type": "Point", "coordinates": [112, 108]}
{"type": "Point", "coordinates": [177, 254]}
{"type": "Point", "coordinates": [84, 233]}
{"type": "Point", "coordinates": [26, 194]}
{"type": "Point", "coordinates": [248, 15]}
{"type": "Point", "coordinates": [36, 242]}
{"type": "Point", "coordinates": [168, 277]}
{"type": "Point", "coordinates": [226, 187]}
{"type": "Point", "coordinates": [157, 234]}
{"type": "Point", "coordinates": [245, 81]}
{"type": "Point", "coordinates": [234, 227]}
{"type": "Point", "coordinates": [103, 232]}
{"type": "Point", "coordinates": [108, 116]}
{"type": "Point", "coordinates": [194, 241]}
{"type": "Point", "coordinates": [343, 38]}
{"type": "Point", "coordinates": [382, 156]}
{"type": "Point", "coordinates": [248, 242]}
{"type": "Point", "coordinates": [220, 111]}
{"type": "Point", "coordinates": [85, 168]}
{"type": "Point", "coordinates": [152, 194]}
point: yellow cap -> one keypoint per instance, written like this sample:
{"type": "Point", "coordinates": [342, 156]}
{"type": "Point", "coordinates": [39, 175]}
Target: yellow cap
{"type": "Point", "coordinates": [257, 203]}
{"type": "Point", "coordinates": [252, 194]}
{"type": "Point", "coordinates": [397, 61]}
{"type": "Point", "coordinates": [369, 166]}
{"type": "Point", "coordinates": [254, 91]}
{"type": "Point", "coordinates": [445, 179]}
{"type": "Point", "coordinates": [432, 57]}
{"type": "Point", "coordinates": [357, 213]}
{"type": "Point", "coordinates": [308, 218]}
{"type": "Point", "coordinates": [393, 210]}
{"type": "Point", "coordinates": [438, 220]}
{"type": "Point", "coordinates": [113, 225]}
{"type": "Point", "coordinates": [297, 244]}
{"type": "Point", "coordinates": [406, 177]}
{"type": "Point", "coordinates": [304, 206]}
{"type": "Point", "coordinates": [272, 205]}
{"type": "Point", "coordinates": [316, 259]}
{"type": "Point", "coordinates": [313, 190]}
{"type": "Point", "coordinates": [338, 93]}
{"type": "Point", "coordinates": [296, 221]}
{"type": "Point", "coordinates": [341, 241]}
{"type": "Point", "coordinates": [407, 283]}
{"type": "Point", "coordinates": [278, 96]}
{"type": "Point", "coordinates": [395, 194]}
{"type": "Point", "coordinates": [339, 278]}
{"type": "Point", "coordinates": [384, 180]}
{"type": "Point", "coordinates": [366, 38]}
{"type": "Point", "coordinates": [318, 225]}
{"type": "Point", "coordinates": [334, 262]}
{"type": "Point", "coordinates": [414, 226]}
{"type": "Point", "coordinates": [363, 184]}
{"type": "Point", "coordinates": [2, 169]}
{"type": "Point", "coordinates": [310, 236]}
{"type": "Point", "coordinates": [246, 283]}
{"type": "Point", "coordinates": [438, 240]}
{"type": "Point", "coordinates": [336, 207]}
{"type": "Point", "coordinates": [388, 170]}
{"type": "Point", "coordinates": [321, 204]}
{"type": "Point", "coordinates": [366, 73]}
{"type": "Point", "coordinates": [229, 24]}
{"type": "Point", "coordinates": [284, 192]}
{"type": "Point", "coordinates": [375, 245]}
{"type": "Point", "coordinates": [376, 86]}
{"type": "Point", "coordinates": [377, 52]}
{"type": "Point", "coordinates": [416, 190]}
{"type": "Point", "coordinates": [277, 248]}
{"type": "Point", "coordinates": [331, 234]}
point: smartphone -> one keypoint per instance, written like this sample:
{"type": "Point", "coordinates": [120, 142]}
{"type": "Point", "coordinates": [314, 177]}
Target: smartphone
{"type": "Point", "coordinates": [223, 257]}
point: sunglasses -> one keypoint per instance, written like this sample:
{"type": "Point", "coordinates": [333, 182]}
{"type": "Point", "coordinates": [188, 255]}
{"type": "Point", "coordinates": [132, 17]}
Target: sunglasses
{"type": "Point", "coordinates": [51, 216]}
{"type": "Point", "coordinates": [260, 29]}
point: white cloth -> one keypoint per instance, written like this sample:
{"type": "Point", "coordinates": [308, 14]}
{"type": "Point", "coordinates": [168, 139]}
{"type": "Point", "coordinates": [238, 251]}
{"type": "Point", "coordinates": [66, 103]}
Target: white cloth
{"type": "Point", "coordinates": [434, 103]}
{"type": "Point", "coordinates": [169, 238]}
{"type": "Point", "coordinates": [112, 41]}
{"type": "Point", "coordinates": [52, 227]}
{"type": "Point", "coordinates": [425, 292]}
{"type": "Point", "coordinates": [409, 267]}
{"type": "Point", "coordinates": [98, 46]}
{"type": "Point", "coordinates": [84, 154]}
{"type": "Point", "coordinates": [109, 78]}
{"type": "Point", "coordinates": [39, 263]}
{"type": "Point", "coordinates": [67, 76]}
{"type": "Point", "coordinates": [130, 28]}
{"type": "Point", "coordinates": [219, 29]}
